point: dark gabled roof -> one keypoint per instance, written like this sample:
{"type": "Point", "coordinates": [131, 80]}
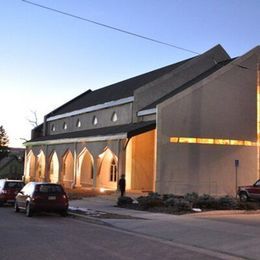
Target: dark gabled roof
{"type": "Point", "coordinates": [69, 103]}
{"type": "Point", "coordinates": [130, 129]}
{"type": "Point", "coordinates": [188, 84]}
{"type": "Point", "coordinates": [115, 91]}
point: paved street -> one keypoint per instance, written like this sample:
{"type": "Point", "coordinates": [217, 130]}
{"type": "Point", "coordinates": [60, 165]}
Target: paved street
{"type": "Point", "coordinates": [53, 237]}
{"type": "Point", "coordinates": [229, 233]}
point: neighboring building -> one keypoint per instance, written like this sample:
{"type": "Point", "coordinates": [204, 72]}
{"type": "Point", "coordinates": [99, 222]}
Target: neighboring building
{"type": "Point", "coordinates": [12, 166]}
{"type": "Point", "coordinates": [176, 129]}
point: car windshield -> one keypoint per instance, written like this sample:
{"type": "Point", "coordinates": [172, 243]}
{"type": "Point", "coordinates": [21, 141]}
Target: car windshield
{"type": "Point", "coordinates": [45, 188]}
{"type": "Point", "coordinates": [13, 185]}
{"type": "Point", "coordinates": [257, 183]}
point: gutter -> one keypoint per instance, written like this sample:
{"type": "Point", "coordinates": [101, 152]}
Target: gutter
{"type": "Point", "coordinates": [92, 108]}
{"type": "Point", "coordinates": [77, 140]}
{"type": "Point", "coordinates": [147, 112]}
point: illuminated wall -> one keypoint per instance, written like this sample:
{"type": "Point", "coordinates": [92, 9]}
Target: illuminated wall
{"type": "Point", "coordinates": [104, 179]}
{"type": "Point", "coordinates": [40, 167]}
{"type": "Point", "coordinates": [204, 129]}
{"type": "Point", "coordinates": [86, 168]}
{"type": "Point", "coordinates": [128, 164]}
{"type": "Point", "coordinates": [67, 177]}
{"type": "Point", "coordinates": [54, 168]}
{"type": "Point", "coordinates": [30, 167]}
{"type": "Point", "coordinates": [141, 164]}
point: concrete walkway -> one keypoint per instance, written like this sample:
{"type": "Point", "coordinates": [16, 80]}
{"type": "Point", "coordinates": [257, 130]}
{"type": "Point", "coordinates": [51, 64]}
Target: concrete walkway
{"type": "Point", "coordinates": [236, 237]}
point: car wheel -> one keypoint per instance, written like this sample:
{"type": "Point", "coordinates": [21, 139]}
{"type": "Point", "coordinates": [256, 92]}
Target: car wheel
{"type": "Point", "coordinates": [28, 210]}
{"type": "Point", "coordinates": [16, 208]}
{"type": "Point", "coordinates": [243, 197]}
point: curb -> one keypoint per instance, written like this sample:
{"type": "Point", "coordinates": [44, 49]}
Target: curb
{"type": "Point", "coordinates": [87, 218]}
{"type": "Point", "coordinates": [224, 212]}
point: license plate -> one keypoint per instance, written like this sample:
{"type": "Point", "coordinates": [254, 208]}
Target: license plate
{"type": "Point", "coordinates": [52, 198]}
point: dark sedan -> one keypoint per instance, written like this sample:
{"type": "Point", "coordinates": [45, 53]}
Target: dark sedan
{"type": "Point", "coordinates": [9, 189]}
{"type": "Point", "coordinates": [42, 196]}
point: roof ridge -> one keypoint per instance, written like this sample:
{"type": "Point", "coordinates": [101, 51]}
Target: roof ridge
{"type": "Point", "coordinates": [196, 79]}
{"type": "Point", "coordinates": [114, 91]}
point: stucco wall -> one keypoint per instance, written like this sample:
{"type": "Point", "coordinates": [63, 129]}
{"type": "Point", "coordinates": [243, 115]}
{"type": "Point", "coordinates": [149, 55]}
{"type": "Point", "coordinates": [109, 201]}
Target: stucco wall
{"type": "Point", "coordinates": [222, 106]}
{"type": "Point", "coordinates": [104, 117]}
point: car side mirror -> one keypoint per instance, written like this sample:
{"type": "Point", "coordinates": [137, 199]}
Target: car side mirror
{"type": "Point", "coordinates": [22, 192]}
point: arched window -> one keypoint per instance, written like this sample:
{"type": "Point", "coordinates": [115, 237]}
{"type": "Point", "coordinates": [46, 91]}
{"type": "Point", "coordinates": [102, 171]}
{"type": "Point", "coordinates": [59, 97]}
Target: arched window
{"type": "Point", "coordinates": [114, 117]}
{"type": "Point", "coordinates": [94, 120]}
{"type": "Point", "coordinates": [78, 124]}
{"type": "Point", "coordinates": [65, 126]}
{"type": "Point", "coordinates": [113, 171]}
{"type": "Point", "coordinates": [53, 128]}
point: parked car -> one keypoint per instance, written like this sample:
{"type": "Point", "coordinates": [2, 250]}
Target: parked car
{"type": "Point", "coordinates": [42, 196]}
{"type": "Point", "coordinates": [9, 189]}
{"type": "Point", "coordinates": [246, 193]}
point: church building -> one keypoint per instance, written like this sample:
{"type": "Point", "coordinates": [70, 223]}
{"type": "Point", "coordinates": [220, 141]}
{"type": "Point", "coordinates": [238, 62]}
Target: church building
{"type": "Point", "coordinates": [193, 126]}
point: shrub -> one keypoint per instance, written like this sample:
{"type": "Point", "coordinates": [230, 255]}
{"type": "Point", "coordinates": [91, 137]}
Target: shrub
{"type": "Point", "coordinates": [227, 202]}
{"type": "Point", "coordinates": [150, 201]}
{"type": "Point", "coordinates": [171, 196]}
{"type": "Point", "coordinates": [178, 204]}
{"type": "Point", "coordinates": [192, 197]}
{"type": "Point", "coordinates": [171, 202]}
{"type": "Point", "coordinates": [124, 201]}
{"type": "Point", "coordinates": [183, 205]}
{"type": "Point", "coordinates": [205, 202]}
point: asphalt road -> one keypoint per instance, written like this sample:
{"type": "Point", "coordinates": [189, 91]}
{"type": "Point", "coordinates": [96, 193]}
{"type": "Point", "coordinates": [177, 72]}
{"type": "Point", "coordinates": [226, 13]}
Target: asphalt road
{"type": "Point", "coordinates": [49, 236]}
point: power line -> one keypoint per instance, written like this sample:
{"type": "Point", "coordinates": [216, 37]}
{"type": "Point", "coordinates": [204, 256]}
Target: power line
{"type": "Point", "coordinates": [110, 27]}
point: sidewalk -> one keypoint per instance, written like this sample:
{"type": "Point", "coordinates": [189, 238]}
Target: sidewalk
{"type": "Point", "coordinates": [226, 240]}
{"type": "Point", "coordinates": [103, 206]}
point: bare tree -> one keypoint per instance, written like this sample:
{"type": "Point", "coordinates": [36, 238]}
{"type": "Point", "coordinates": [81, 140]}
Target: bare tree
{"type": "Point", "coordinates": [33, 120]}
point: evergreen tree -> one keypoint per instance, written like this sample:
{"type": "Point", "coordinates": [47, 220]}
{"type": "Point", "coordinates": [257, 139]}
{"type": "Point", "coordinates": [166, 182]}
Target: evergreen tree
{"type": "Point", "coordinates": [3, 143]}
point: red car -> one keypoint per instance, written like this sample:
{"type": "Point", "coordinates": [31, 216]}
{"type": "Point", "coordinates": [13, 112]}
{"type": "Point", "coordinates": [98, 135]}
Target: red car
{"type": "Point", "coordinates": [249, 192]}
{"type": "Point", "coordinates": [9, 189]}
{"type": "Point", "coordinates": [42, 196]}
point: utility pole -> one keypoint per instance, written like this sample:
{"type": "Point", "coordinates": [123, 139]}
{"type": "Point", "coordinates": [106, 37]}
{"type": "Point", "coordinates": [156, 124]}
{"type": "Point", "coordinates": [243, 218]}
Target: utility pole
{"type": "Point", "coordinates": [236, 169]}
{"type": "Point", "coordinates": [258, 116]}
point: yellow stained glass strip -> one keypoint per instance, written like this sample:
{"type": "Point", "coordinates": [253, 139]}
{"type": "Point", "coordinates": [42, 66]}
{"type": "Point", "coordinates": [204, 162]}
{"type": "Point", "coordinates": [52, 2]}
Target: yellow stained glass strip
{"type": "Point", "coordinates": [236, 142]}
{"type": "Point", "coordinates": [174, 140]}
{"type": "Point", "coordinates": [188, 140]}
{"type": "Point", "coordinates": [205, 141]}
{"type": "Point", "coordinates": [222, 141]}
{"type": "Point", "coordinates": [249, 143]}
{"type": "Point", "coordinates": [216, 141]}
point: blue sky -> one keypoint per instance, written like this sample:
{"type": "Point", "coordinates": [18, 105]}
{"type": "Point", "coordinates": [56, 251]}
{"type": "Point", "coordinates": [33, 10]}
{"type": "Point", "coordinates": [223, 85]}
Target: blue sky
{"type": "Point", "coordinates": [47, 58]}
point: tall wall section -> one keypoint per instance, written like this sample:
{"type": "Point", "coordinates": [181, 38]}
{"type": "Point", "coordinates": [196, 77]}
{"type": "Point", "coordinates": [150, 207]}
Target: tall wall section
{"type": "Point", "coordinates": [223, 106]}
